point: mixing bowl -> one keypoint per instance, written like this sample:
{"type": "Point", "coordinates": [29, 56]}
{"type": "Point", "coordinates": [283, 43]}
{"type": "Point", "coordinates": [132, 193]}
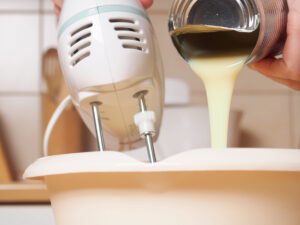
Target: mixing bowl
{"type": "Point", "coordinates": [202, 186]}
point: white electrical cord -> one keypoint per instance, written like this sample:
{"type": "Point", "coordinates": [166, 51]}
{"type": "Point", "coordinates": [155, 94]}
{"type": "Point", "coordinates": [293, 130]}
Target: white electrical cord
{"type": "Point", "coordinates": [59, 110]}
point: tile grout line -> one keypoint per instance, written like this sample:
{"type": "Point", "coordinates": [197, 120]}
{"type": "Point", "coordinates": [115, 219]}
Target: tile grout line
{"type": "Point", "coordinates": [20, 94]}
{"type": "Point", "coordinates": [41, 43]}
{"type": "Point", "coordinates": [47, 11]}
{"type": "Point", "coordinates": [21, 12]}
{"type": "Point", "coordinates": [291, 120]}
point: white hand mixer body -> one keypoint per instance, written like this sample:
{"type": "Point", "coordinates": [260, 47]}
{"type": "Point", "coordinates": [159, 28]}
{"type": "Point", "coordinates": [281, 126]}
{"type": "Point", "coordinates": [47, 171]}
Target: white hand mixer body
{"type": "Point", "coordinates": [112, 69]}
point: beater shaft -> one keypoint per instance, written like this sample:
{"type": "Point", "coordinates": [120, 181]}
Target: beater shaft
{"type": "Point", "coordinates": [148, 136]}
{"type": "Point", "coordinates": [98, 127]}
{"type": "Point", "coordinates": [150, 148]}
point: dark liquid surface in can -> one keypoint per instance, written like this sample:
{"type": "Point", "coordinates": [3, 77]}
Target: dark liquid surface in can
{"type": "Point", "coordinates": [198, 40]}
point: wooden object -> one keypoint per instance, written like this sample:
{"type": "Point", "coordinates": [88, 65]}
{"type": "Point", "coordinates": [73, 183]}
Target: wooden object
{"type": "Point", "coordinates": [5, 173]}
{"type": "Point", "coordinates": [66, 136]}
{"type": "Point", "coordinates": [23, 193]}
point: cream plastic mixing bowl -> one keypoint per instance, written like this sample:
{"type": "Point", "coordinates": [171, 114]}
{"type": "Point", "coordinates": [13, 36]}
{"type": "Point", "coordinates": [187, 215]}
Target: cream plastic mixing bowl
{"type": "Point", "coordinates": [205, 186]}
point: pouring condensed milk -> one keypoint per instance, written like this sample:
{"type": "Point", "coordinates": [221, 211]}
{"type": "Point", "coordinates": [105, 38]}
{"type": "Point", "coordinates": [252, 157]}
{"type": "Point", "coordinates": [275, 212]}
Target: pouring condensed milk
{"type": "Point", "coordinates": [217, 38]}
{"type": "Point", "coordinates": [216, 56]}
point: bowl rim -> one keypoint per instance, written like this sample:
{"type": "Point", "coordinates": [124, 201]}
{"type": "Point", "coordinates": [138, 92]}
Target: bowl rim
{"type": "Point", "coordinates": [231, 159]}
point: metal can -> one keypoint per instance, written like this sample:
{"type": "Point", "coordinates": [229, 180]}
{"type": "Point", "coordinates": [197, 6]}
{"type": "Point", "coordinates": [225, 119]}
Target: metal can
{"type": "Point", "coordinates": [269, 16]}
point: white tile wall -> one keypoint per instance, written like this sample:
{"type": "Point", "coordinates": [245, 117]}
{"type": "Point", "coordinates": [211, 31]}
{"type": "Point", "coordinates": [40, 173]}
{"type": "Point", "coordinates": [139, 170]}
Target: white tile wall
{"type": "Point", "coordinates": [20, 58]}
{"type": "Point", "coordinates": [161, 5]}
{"type": "Point", "coordinates": [250, 80]}
{"type": "Point", "coordinates": [198, 98]}
{"type": "Point", "coordinates": [16, 5]}
{"type": "Point", "coordinates": [266, 120]}
{"type": "Point", "coordinates": [174, 65]}
{"type": "Point", "coordinates": [20, 65]}
{"type": "Point", "coordinates": [49, 39]}
{"type": "Point", "coordinates": [296, 119]}
{"type": "Point", "coordinates": [47, 5]}
{"type": "Point", "coordinates": [20, 126]}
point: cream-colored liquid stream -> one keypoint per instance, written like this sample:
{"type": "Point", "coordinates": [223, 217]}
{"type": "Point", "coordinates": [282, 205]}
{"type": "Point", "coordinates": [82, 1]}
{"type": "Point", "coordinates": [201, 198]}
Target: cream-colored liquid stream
{"type": "Point", "coordinates": [218, 75]}
{"type": "Point", "coordinates": [217, 57]}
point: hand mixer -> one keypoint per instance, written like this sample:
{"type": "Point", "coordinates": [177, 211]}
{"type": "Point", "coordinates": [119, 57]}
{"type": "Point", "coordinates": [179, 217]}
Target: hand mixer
{"type": "Point", "coordinates": [110, 64]}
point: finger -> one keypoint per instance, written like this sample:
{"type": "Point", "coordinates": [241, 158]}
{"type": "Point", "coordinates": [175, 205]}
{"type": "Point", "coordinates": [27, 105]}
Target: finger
{"type": "Point", "coordinates": [273, 68]}
{"type": "Point", "coordinates": [290, 83]}
{"type": "Point", "coordinates": [146, 3]}
{"type": "Point", "coordinates": [56, 10]}
{"type": "Point", "coordinates": [58, 3]}
{"type": "Point", "coordinates": [291, 52]}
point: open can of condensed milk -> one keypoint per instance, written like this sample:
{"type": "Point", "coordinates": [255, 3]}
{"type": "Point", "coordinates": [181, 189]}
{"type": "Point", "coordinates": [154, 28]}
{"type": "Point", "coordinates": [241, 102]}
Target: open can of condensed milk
{"type": "Point", "coordinates": [268, 18]}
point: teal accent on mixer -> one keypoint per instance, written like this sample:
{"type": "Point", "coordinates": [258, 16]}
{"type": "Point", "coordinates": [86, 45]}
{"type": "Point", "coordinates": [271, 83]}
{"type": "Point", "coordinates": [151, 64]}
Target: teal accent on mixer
{"type": "Point", "coordinates": [99, 10]}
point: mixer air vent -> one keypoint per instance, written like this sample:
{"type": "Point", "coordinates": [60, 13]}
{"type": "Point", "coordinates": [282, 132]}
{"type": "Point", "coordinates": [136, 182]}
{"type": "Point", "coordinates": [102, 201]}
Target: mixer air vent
{"type": "Point", "coordinates": [129, 33]}
{"type": "Point", "coordinates": [132, 38]}
{"type": "Point", "coordinates": [133, 47]}
{"type": "Point", "coordinates": [121, 20]}
{"type": "Point", "coordinates": [84, 27]}
{"type": "Point", "coordinates": [80, 43]}
{"type": "Point", "coordinates": [126, 29]}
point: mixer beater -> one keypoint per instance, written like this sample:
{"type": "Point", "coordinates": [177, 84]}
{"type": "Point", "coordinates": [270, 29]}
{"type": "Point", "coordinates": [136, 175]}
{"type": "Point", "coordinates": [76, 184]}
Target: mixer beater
{"type": "Point", "coordinates": [145, 120]}
{"type": "Point", "coordinates": [98, 126]}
